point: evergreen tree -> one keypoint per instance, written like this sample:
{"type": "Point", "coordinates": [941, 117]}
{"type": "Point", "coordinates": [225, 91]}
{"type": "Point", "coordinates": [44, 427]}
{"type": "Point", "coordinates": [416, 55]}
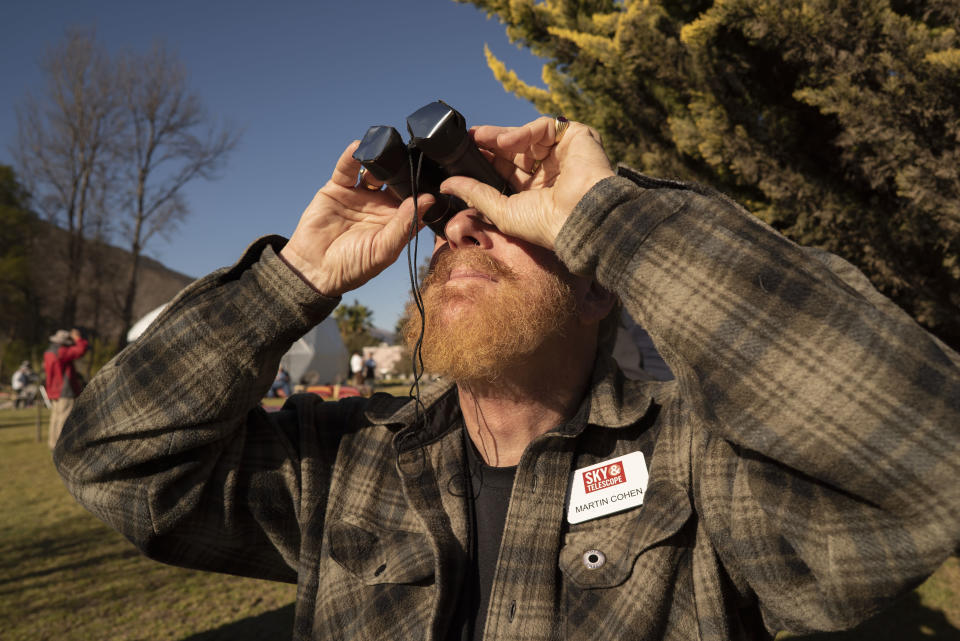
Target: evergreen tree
{"type": "Point", "coordinates": [838, 122]}
{"type": "Point", "coordinates": [17, 232]}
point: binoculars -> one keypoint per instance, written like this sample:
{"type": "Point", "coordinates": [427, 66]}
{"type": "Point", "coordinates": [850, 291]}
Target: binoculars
{"type": "Point", "coordinates": [439, 147]}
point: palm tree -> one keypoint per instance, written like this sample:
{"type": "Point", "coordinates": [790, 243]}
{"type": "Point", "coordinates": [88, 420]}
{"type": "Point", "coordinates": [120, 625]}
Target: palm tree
{"type": "Point", "coordinates": [355, 322]}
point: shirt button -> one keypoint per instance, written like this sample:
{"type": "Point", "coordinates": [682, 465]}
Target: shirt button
{"type": "Point", "coordinates": [594, 559]}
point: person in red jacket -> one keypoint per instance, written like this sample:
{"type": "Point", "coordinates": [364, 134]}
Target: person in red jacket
{"type": "Point", "coordinates": [62, 383]}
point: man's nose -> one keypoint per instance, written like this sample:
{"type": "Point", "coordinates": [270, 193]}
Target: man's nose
{"type": "Point", "coordinates": [468, 228]}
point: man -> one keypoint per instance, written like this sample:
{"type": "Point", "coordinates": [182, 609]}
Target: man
{"type": "Point", "coordinates": [281, 384]}
{"type": "Point", "coordinates": [356, 369]}
{"type": "Point", "coordinates": [369, 370]}
{"type": "Point", "coordinates": [799, 473]}
{"type": "Point", "coordinates": [22, 382]}
{"type": "Point", "coordinates": [62, 382]}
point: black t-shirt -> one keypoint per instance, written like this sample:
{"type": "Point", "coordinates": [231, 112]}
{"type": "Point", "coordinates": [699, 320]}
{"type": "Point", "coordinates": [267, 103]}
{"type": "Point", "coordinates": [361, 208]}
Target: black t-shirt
{"type": "Point", "coordinates": [488, 496]}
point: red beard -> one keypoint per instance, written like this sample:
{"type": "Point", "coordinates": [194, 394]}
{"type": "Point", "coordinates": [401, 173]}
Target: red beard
{"type": "Point", "coordinates": [476, 329]}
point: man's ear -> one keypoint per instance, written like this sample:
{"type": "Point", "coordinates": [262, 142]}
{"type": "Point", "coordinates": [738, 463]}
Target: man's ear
{"type": "Point", "coordinates": [596, 304]}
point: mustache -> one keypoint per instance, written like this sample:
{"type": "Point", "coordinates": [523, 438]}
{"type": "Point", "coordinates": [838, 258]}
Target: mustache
{"type": "Point", "coordinates": [446, 260]}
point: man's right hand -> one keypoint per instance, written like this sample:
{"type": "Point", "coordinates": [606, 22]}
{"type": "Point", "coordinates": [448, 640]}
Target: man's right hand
{"type": "Point", "coordinates": [348, 235]}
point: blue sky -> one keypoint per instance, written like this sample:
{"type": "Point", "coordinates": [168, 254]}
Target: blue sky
{"type": "Point", "coordinates": [301, 79]}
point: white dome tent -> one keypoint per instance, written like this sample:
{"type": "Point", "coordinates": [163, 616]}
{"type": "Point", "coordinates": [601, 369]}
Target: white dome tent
{"type": "Point", "coordinates": [319, 354]}
{"type": "Point", "coordinates": [141, 325]}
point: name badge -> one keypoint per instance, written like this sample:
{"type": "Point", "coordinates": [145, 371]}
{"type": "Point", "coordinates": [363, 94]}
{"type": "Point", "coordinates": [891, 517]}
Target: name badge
{"type": "Point", "coordinates": [611, 486]}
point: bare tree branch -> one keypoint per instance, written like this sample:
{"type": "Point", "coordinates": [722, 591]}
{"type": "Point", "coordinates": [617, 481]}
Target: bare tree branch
{"type": "Point", "coordinates": [169, 142]}
{"type": "Point", "coordinates": [110, 146]}
{"type": "Point", "coordinates": [62, 148]}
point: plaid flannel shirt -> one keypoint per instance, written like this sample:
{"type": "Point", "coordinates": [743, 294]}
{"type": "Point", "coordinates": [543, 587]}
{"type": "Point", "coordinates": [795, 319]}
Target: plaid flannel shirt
{"type": "Point", "coordinates": [803, 465]}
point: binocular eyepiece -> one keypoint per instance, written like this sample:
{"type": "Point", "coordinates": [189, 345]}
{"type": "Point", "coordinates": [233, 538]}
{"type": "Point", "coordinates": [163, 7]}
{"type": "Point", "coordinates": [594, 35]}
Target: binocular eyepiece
{"type": "Point", "coordinates": [439, 147]}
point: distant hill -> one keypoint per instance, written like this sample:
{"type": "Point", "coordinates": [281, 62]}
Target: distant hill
{"type": "Point", "coordinates": [103, 283]}
{"type": "Point", "coordinates": [383, 335]}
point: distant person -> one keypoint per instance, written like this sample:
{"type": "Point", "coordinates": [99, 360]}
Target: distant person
{"type": "Point", "coordinates": [369, 370]}
{"type": "Point", "coordinates": [63, 384]}
{"type": "Point", "coordinates": [356, 369]}
{"type": "Point", "coordinates": [22, 384]}
{"type": "Point", "coordinates": [281, 384]}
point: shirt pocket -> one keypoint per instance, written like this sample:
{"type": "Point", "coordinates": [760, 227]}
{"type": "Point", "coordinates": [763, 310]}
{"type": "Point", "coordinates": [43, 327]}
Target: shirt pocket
{"type": "Point", "coordinates": [603, 553]}
{"type": "Point", "coordinates": [376, 555]}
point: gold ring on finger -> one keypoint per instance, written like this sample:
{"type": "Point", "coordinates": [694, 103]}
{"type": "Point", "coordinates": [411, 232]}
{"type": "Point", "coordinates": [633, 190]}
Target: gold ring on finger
{"type": "Point", "coordinates": [361, 180]}
{"type": "Point", "coordinates": [560, 125]}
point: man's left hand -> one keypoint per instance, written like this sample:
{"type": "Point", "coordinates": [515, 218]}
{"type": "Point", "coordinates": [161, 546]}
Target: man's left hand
{"type": "Point", "coordinates": [549, 177]}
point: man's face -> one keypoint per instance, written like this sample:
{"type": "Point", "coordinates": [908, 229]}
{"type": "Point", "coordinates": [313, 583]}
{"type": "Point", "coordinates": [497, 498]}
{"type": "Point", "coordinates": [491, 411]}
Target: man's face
{"type": "Point", "coordinates": [491, 300]}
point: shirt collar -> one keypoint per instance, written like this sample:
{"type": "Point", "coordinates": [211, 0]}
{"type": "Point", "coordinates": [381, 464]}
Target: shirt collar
{"type": "Point", "coordinates": [439, 408]}
{"type": "Point", "coordinates": [615, 400]}
{"type": "Point", "coordinates": [612, 402]}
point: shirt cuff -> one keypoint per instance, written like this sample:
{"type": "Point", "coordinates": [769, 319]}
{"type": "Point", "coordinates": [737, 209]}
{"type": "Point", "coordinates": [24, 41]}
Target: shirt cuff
{"type": "Point", "coordinates": [276, 295]}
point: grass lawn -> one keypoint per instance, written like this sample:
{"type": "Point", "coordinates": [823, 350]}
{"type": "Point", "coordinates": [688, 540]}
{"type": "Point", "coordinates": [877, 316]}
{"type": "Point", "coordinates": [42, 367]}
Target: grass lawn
{"type": "Point", "coordinates": [65, 576]}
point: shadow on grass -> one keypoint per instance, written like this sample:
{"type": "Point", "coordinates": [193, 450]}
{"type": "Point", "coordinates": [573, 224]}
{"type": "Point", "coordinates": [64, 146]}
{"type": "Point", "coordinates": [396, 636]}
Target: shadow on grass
{"type": "Point", "coordinates": [276, 625]}
{"type": "Point", "coordinates": [26, 417]}
{"type": "Point", "coordinates": [83, 537]}
{"type": "Point", "coordinates": [89, 562]}
{"type": "Point", "coordinates": [907, 620]}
